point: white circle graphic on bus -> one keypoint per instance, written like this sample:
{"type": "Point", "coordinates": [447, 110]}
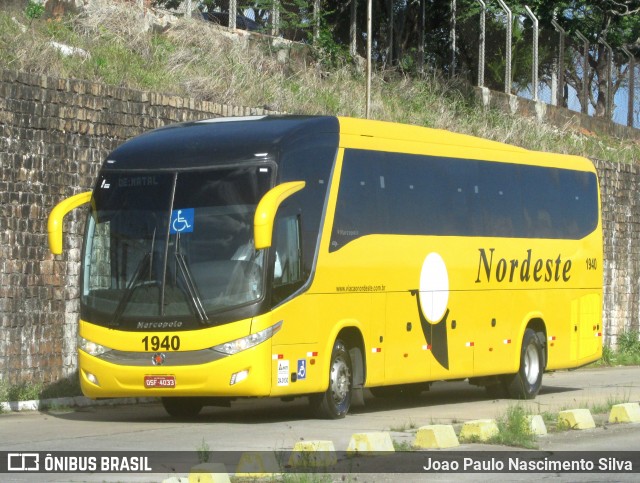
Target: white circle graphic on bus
{"type": "Point", "coordinates": [434, 288]}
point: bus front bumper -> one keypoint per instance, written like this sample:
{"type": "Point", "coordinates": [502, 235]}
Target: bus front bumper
{"type": "Point", "coordinates": [247, 373]}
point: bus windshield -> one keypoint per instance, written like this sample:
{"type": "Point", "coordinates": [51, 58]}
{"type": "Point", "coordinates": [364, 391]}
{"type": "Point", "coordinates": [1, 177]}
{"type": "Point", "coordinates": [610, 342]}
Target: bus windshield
{"type": "Point", "coordinates": [172, 247]}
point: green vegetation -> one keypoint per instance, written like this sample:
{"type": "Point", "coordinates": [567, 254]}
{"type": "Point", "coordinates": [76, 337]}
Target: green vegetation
{"type": "Point", "coordinates": [402, 445]}
{"type": "Point", "coordinates": [626, 353]}
{"type": "Point", "coordinates": [27, 391]}
{"type": "Point", "coordinates": [203, 451]}
{"type": "Point", "coordinates": [19, 392]}
{"type": "Point", "coordinates": [514, 429]}
{"type": "Point", "coordinates": [401, 428]}
{"type": "Point", "coordinates": [34, 10]}
{"type": "Point", "coordinates": [195, 59]}
{"type": "Point", "coordinates": [605, 408]}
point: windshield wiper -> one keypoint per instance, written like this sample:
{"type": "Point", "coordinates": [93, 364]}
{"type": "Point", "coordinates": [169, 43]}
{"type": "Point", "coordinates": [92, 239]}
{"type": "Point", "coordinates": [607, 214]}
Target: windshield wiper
{"type": "Point", "coordinates": [143, 266]}
{"type": "Point", "coordinates": [191, 287]}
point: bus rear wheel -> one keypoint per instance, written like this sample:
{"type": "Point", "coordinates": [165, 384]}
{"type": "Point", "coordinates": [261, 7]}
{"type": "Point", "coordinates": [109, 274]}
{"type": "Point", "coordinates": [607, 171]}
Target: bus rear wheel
{"type": "Point", "coordinates": [526, 383]}
{"type": "Point", "coordinates": [334, 403]}
{"type": "Point", "coordinates": [182, 407]}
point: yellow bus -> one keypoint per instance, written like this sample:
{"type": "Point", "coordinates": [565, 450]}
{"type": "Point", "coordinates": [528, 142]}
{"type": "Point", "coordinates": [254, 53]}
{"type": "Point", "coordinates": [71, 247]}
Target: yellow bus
{"type": "Point", "coordinates": [318, 256]}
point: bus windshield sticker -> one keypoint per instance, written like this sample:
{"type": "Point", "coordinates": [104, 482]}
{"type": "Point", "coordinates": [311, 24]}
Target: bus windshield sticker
{"type": "Point", "coordinates": [182, 221]}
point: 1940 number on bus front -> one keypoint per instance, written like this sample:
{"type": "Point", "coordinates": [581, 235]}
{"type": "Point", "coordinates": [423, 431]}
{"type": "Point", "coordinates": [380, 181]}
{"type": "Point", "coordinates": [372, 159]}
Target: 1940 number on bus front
{"type": "Point", "coordinates": [155, 343]}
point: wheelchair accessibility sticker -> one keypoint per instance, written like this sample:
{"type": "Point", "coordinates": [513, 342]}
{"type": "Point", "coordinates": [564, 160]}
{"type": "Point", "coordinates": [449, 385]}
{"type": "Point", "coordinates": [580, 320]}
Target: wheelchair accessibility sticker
{"type": "Point", "coordinates": [302, 369]}
{"type": "Point", "coordinates": [182, 221]}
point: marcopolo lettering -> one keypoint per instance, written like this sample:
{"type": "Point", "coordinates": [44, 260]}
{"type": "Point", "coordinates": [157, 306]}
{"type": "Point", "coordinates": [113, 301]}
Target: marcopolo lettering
{"type": "Point", "coordinates": [524, 269]}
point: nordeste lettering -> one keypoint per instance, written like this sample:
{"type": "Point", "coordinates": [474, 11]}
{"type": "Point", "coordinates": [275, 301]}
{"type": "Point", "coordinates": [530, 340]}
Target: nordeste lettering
{"type": "Point", "coordinates": [523, 269]}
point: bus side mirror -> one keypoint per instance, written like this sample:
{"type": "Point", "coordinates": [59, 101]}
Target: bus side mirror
{"type": "Point", "coordinates": [54, 226]}
{"type": "Point", "coordinates": [266, 211]}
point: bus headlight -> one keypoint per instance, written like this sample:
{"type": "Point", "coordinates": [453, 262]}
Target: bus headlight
{"type": "Point", "coordinates": [239, 345]}
{"type": "Point", "coordinates": [91, 348]}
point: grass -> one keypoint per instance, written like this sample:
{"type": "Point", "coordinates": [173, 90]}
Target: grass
{"type": "Point", "coordinates": [514, 429]}
{"type": "Point", "coordinates": [203, 451]}
{"type": "Point", "coordinates": [27, 391]}
{"type": "Point", "coordinates": [605, 408]}
{"type": "Point", "coordinates": [402, 445]}
{"type": "Point", "coordinates": [404, 427]}
{"type": "Point", "coordinates": [626, 353]}
{"type": "Point", "coordinates": [193, 59]}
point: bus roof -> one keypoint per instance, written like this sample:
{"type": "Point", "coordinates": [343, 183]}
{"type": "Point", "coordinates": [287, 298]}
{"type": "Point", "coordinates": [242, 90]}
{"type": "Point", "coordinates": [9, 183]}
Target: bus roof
{"type": "Point", "coordinates": [226, 140]}
{"type": "Point", "coordinates": [214, 142]}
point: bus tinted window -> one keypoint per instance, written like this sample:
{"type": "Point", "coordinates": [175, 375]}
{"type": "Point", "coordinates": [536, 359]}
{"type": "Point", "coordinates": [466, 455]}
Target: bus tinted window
{"type": "Point", "coordinates": [392, 193]}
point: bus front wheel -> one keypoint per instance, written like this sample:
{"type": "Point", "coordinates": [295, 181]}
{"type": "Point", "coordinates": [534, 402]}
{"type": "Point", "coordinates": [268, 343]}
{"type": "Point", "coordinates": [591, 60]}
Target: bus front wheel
{"type": "Point", "coordinates": [182, 407]}
{"type": "Point", "coordinates": [526, 383]}
{"type": "Point", "coordinates": [334, 403]}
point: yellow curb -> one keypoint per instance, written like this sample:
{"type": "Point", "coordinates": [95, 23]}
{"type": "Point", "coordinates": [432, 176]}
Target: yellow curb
{"type": "Point", "coordinates": [536, 425]}
{"type": "Point", "coordinates": [209, 473]}
{"type": "Point", "coordinates": [625, 413]}
{"type": "Point", "coordinates": [481, 429]}
{"type": "Point", "coordinates": [379, 441]}
{"type": "Point", "coordinates": [576, 419]}
{"type": "Point", "coordinates": [313, 453]}
{"type": "Point", "coordinates": [257, 465]}
{"type": "Point", "coordinates": [436, 436]}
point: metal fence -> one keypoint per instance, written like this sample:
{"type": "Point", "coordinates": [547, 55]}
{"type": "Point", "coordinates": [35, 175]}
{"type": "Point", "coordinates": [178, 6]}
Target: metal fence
{"type": "Point", "coordinates": [493, 48]}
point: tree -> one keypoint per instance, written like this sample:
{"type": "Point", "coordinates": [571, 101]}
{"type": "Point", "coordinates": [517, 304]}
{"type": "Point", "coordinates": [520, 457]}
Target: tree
{"type": "Point", "coordinates": [617, 22]}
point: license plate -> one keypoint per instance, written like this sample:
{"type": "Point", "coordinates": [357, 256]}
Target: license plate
{"type": "Point", "coordinates": [164, 382]}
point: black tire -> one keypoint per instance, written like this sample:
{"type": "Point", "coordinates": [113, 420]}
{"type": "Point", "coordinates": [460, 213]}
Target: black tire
{"type": "Point", "coordinates": [334, 403]}
{"type": "Point", "coordinates": [182, 407]}
{"type": "Point", "coordinates": [526, 383]}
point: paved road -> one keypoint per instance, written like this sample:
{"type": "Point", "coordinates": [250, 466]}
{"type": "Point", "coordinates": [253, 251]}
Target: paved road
{"type": "Point", "coordinates": [256, 425]}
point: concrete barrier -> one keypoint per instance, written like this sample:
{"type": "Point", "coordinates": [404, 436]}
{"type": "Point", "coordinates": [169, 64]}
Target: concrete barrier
{"type": "Point", "coordinates": [363, 442]}
{"type": "Point", "coordinates": [258, 465]}
{"type": "Point", "coordinates": [625, 413]}
{"type": "Point", "coordinates": [576, 419]}
{"type": "Point", "coordinates": [536, 425]}
{"type": "Point", "coordinates": [480, 429]}
{"type": "Point", "coordinates": [209, 473]}
{"type": "Point", "coordinates": [436, 436]}
{"type": "Point", "coordinates": [315, 454]}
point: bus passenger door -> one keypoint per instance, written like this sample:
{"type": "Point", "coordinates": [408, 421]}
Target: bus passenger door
{"type": "Point", "coordinates": [407, 354]}
{"type": "Point", "coordinates": [452, 342]}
